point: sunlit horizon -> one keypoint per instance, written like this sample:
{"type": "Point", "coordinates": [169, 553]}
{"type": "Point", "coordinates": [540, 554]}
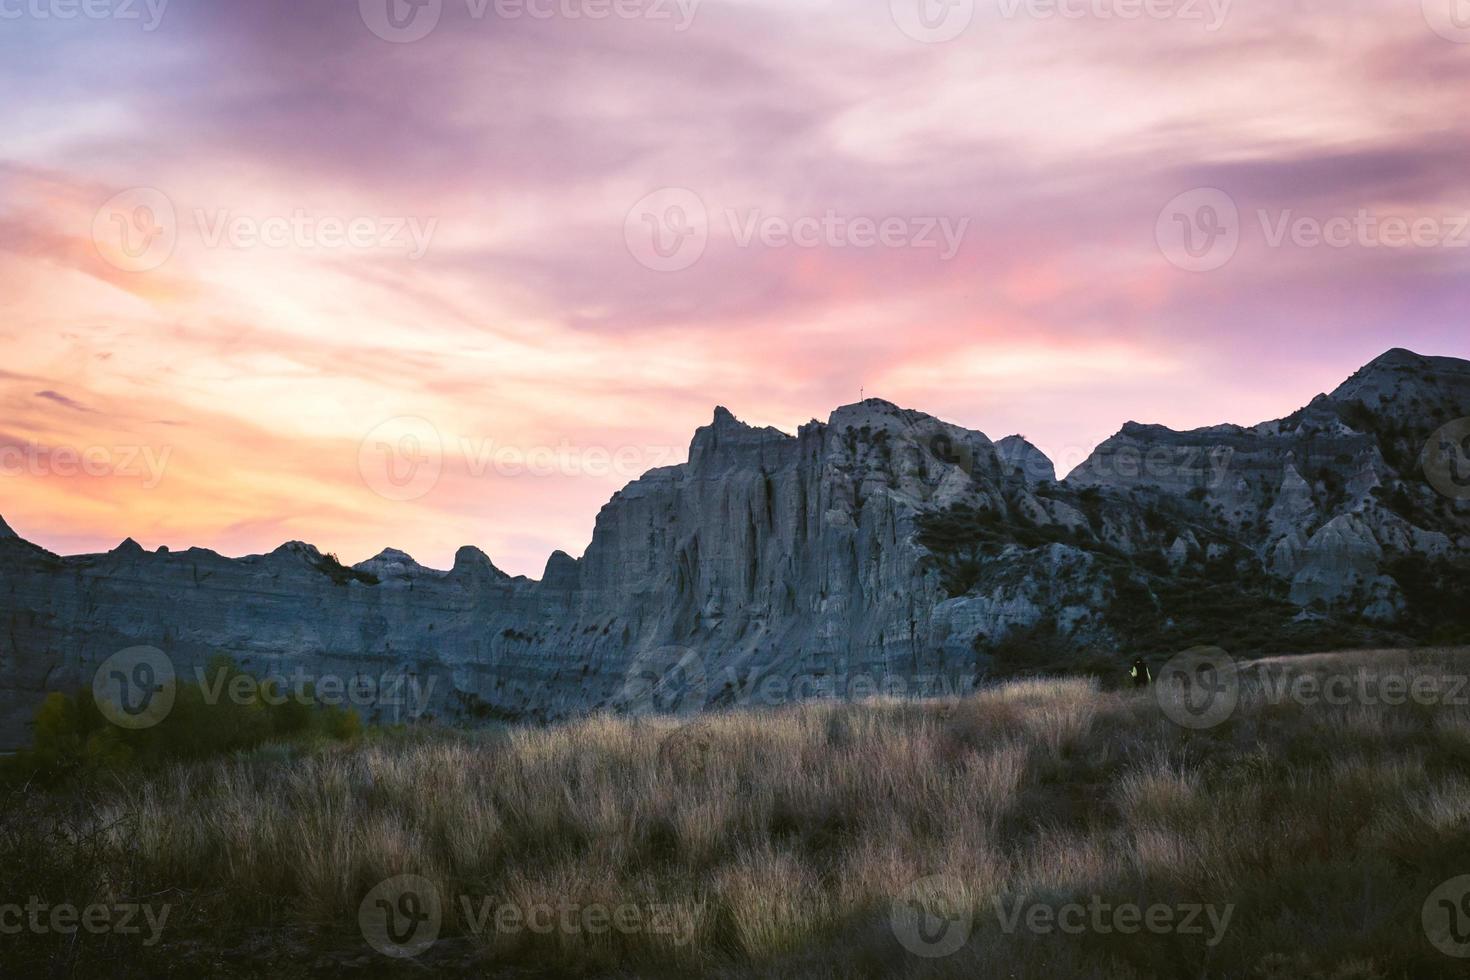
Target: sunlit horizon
{"type": "Point", "coordinates": [362, 229]}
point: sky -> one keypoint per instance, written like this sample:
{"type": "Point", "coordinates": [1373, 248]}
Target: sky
{"type": "Point", "coordinates": [444, 272]}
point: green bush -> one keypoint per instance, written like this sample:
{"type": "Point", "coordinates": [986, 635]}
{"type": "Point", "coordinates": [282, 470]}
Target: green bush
{"type": "Point", "coordinates": [73, 737]}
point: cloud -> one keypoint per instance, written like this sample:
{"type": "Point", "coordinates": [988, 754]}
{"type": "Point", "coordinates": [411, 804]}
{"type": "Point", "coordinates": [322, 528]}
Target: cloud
{"type": "Point", "coordinates": [529, 323]}
{"type": "Point", "coordinates": [63, 400]}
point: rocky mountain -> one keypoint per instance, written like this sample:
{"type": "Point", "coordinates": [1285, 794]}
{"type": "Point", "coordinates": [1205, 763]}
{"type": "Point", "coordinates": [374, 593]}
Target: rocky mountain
{"type": "Point", "coordinates": [1323, 501]}
{"type": "Point", "coordinates": [882, 549]}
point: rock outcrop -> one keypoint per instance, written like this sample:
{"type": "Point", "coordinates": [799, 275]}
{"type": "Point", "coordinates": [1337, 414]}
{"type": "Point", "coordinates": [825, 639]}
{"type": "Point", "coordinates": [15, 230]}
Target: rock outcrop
{"type": "Point", "coordinates": [881, 548]}
{"type": "Point", "coordinates": [1324, 495]}
{"type": "Point", "coordinates": [1021, 457]}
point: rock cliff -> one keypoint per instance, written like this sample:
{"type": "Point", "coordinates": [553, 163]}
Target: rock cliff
{"type": "Point", "coordinates": [881, 549]}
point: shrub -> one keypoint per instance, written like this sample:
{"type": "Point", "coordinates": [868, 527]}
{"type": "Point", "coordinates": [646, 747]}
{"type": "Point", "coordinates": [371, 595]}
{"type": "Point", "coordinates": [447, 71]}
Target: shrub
{"type": "Point", "coordinates": [73, 737]}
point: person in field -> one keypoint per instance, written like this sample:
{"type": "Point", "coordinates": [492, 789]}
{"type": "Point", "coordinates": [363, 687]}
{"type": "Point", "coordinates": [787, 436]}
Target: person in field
{"type": "Point", "coordinates": [1139, 673]}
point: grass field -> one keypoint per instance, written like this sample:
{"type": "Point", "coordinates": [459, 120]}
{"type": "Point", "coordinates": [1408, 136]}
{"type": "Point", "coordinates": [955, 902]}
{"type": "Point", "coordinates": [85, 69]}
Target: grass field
{"type": "Point", "coordinates": [1041, 829]}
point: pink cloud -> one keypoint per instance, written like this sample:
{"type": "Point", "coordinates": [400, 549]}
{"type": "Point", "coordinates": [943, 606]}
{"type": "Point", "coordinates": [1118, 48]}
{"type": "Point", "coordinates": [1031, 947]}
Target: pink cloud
{"type": "Point", "coordinates": [529, 326]}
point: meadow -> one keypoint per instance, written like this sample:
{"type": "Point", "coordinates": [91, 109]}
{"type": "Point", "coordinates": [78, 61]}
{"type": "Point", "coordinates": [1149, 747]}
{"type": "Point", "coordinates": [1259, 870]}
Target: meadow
{"type": "Point", "coordinates": [1041, 828]}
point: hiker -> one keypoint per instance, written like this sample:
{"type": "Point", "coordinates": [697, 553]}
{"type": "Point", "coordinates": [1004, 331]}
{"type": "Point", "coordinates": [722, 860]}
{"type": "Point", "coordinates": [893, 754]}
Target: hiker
{"type": "Point", "coordinates": [1139, 673]}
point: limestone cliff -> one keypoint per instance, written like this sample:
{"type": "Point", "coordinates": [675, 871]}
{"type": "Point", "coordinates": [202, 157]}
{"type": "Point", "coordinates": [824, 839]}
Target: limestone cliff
{"type": "Point", "coordinates": [881, 548]}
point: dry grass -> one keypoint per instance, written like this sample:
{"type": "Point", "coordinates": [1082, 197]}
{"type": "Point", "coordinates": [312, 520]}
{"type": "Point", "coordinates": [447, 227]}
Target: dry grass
{"type": "Point", "coordinates": [775, 842]}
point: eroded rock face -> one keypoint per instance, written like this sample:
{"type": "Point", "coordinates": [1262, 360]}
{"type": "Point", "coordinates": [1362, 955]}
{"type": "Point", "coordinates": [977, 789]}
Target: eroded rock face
{"type": "Point", "coordinates": [1339, 560]}
{"type": "Point", "coordinates": [274, 613]}
{"type": "Point", "coordinates": [882, 547]}
{"type": "Point", "coordinates": [769, 555]}
{"type": "Point", "coordinates": [1315, 496]}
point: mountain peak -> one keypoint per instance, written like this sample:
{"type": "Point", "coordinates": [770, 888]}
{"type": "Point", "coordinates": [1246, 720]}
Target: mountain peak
{"type": "Point", "coordinates": [1397, 376]}
{"type": "Point", "coordinates": [1018, 455]}
{"type": "Point", "coordinates": [562, 572]}
{"type": "Point", "coordinates": [876, 413]}
{"type": "Point", "coordinates": [297, 549]}
{"type": "Point", "coordinates": [880, 406]}
{"type": "Point", "coordinates": [727, 438]}
{"type": "Point", "coordinates": [473, 565]}
{"type": "Point", "coordinates": [1396, 356]}
{"type": "Point", "coordinates": [392, 563]}
{"type": "Point", "coordinates": [5, 531]}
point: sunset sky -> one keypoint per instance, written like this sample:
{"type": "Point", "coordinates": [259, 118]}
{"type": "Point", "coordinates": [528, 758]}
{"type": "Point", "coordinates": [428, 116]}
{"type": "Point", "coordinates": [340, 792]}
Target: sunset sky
{"type": "Point", "coordinates": [246, 246]}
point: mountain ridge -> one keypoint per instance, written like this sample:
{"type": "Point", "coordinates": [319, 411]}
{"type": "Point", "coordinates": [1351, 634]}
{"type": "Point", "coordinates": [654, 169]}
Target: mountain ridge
{"type": "Point", "coordinates": [1394, 359]}
{"type": "Point", "coordinates": [884, 543]}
